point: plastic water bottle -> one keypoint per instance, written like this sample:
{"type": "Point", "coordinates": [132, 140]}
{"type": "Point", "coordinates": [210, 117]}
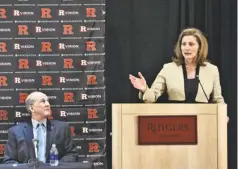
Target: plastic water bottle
{"type": "Point", "coordinates": [54, 161]}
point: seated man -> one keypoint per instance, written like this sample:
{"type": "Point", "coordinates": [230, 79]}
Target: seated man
{"type": "Point", "coordinates": [20, 148]}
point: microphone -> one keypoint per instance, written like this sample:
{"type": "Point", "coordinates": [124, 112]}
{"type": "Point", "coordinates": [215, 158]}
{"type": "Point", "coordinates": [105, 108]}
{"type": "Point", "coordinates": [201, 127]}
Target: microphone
{"type": "Point", "coordinates": [202, 87]}
{"type": "Point", "coordinates": [35, 143]}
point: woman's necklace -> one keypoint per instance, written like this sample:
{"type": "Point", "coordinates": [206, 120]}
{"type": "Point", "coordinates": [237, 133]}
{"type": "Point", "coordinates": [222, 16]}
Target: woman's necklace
{"type": "Point", "coordinates": [190, 68]}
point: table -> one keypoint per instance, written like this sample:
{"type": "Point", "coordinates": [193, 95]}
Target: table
{"type": "Point", "coordinates": [77, 165]}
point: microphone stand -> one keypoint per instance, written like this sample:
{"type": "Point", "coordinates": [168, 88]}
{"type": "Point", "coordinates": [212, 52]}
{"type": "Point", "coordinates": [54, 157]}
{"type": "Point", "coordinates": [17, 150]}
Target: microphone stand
{"type": "Point", "coordinates": [202, 88]}
{"type": "Point", "coordinates": [35, 162]}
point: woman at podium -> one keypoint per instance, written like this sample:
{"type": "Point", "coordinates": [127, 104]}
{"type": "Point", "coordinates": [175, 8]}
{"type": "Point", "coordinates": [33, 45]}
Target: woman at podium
{"type": "Point", "coordinates": [189, 78]}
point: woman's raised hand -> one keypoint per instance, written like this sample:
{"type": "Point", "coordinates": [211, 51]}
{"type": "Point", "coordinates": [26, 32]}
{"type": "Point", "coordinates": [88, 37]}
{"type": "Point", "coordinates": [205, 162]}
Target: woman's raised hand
{"type": "Point", "coordinates": [138, 82]}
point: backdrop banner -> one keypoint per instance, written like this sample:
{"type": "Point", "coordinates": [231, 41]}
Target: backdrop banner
{"type": "Point", "coordinates": [56, 47]}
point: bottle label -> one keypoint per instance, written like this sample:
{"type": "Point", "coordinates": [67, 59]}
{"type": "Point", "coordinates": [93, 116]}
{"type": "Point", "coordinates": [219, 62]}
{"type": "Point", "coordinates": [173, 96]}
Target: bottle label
{"type": "Point", "coordinates": [56, 156]}
{"type": "Point", "coordinates": [52, 156]}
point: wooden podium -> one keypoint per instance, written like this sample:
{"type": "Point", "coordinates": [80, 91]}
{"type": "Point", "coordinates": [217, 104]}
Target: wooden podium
{"type": "Point", "coordinates": [209, 151]}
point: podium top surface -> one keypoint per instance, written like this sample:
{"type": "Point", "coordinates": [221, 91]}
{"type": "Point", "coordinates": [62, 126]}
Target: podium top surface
{"type": "Point", "coordinates": [169, 109]}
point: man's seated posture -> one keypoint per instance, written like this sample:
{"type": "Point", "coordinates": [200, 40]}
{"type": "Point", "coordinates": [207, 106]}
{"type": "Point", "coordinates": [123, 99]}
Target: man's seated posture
{"type": "Point", "coordinates": [20, 148]}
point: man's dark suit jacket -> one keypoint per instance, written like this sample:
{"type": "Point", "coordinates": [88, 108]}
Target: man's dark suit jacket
{"type": "Point", "coordinates": [19, 147]}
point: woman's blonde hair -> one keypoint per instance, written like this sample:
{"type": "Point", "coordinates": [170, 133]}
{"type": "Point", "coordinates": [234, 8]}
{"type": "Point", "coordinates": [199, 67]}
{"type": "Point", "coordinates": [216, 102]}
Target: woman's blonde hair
{"type": "Point", "coordinates": [202, 50]}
